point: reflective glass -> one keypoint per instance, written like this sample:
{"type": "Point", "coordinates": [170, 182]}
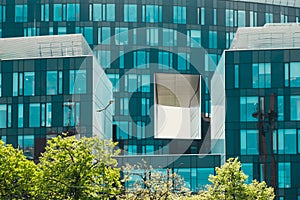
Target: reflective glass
{"type": "Point", "coordinates": [8, 115]}
{"type": "Point", "coordinates": [77, 81]}
{"type": "Point", "coordinates": [295, 108]}
{"type": "Point", "coordinates": [104, 35]}
{"type": "Point", "coordinates": [247, 168]}
{"type": "Point", "coordinates": [248, 106]}
{"type": "Point", "coordinates": [202, 177]}
{"type": "Point", "coordinates": [249, 142]}
{"type": "Point", "coordinates": [29, 83]}
{"type": "Point", "coordinates": [34, 115]}
{"type": "Point", "coordinates": [194, 38]}
{"type": "Point", "coordinates": [20, 115]}
{"type": "Point", "coordinates": [284, 175]}
{"type": "Point", "coordinates": [73, 12]}
{"type": "Point", "coordinates": [130, 13]}
{"type": "Point", "coordinates": [3, 118]}
{"type": "Point", "coordinates": [295, 74]}
{"type": "Point", "coordinates": [97, 12]}
{"type": "Point", "coordinates": [179, 14]}
{"type": "Point", "coordinates": [280, 107]}
{"type": "Point", "coordinates": [213, 39]}
{"type": "Point", "coordinates": [287, 141]}
{"type": "Point", "coordinates": [121, 37]}
{"type": "Point", "coordinates": [20, 13]}
{"type": "Point", "coordinates": [110, 12]}
{"type": "Point", "coordinates": [48, 114]}
{"type": "Point", "coordinates": [165, 60]}
{"type": "Point", "coordinates": [69, 113]}
{"type": "Point", "coordinates": [241, 18]}
{"type": "Point", "coordinates": [169, 37]}
{"type": "Point", "coordinates": [51, 83]}
{"type": "Point", "coordinates": [58, 12]}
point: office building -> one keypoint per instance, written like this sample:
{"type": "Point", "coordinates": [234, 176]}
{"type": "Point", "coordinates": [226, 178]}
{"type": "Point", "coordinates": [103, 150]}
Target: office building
{"type": "Point", "coordinates": [51, 85]}
{"type": "Point", "coordinates": [136, 41]}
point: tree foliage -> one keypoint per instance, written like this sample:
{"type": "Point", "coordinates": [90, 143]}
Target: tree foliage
{"type": "Point", "coordinates": [229, 183]}
{"type": "Point", "coordinates": [78, 169]}
{"type": "Point", "coordinates": [146, 183]}
{"type": "Point", "coordinates": [16, 174]}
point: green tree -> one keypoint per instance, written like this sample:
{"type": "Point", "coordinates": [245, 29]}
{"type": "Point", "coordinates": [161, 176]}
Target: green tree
{"type": "Point", "coordinates": [83, 168]}
{"type": "Point", "coordinates": [144, 182]}
{"type": "Point", "coordinates": [16, 174]}
{"type": "Point", "coordinates": [229, 183]}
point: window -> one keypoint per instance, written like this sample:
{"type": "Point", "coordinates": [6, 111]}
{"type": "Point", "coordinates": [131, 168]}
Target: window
{"type": "Point", "coordinates": [0, 84]}
{"type": "Point", "coordinates": [121, 36]}
{"type": "Point", "coordinates": [261, 75]}
{"type": "Point", "coordinates": [29, 83]}
{"type": "Point", "coordinates": [21, 13]}
{"type": "Point", "coordinates": [31, 31]}
{"type": "Point", "coordinates": [249, 142]}
{"type": "Point", "coordinates": [145, 106]}
{"type": "Point", "coordinates": [236, 76]}
{"type": "Point", "coordinates": [20, 115]}
{"type": "Point", "coordinates": [229, 38]}
{"type": "Point", "coordinates": [169, 37]}
{"type": "Point", "coordinates": [114, 78]}
{"type": "Point", "coordinates": [77, 81]}
{"type": "Point", "coordinates": [280, 107]}
{"type": "Point", "coordinates": [121, 60]}
{"type": "Point", "coordinates": [229, 18]}
{"type": "Point", "coordinates": [34, 115]}
{"type": "Point", "coordinates": [87, 33]}
{"type": "Point", "coordinates": [48, 114]}
{"type": "Point", "coordinates": [201, 16]}
{"type": "Point", "coordinates": [183, 61]}
{"type": "Point", "coordinates": [284, 175]}
{"type": "Point", "coordinates": [8, 115]}
{"type": "Point", "coordinates": [73, 12]}
{"type": "Point", "coordinates": [103, 58]}
{"type": "Point", "coordinates": [2, 13]}
{"type": "Point", "coordinates": [215, 16]}
{"type": "Point", "coordinates": [102, 12]}
{"type": "Point", "coordinates": [295, 108]}
{"type": "Point", "coordinates": [194, 38]}
{"type": "Point", "coordinates": [71, 113]}
{"type": "Point", "coordinates": [165, 60]}
{"type": "Point", "coordinates": [287, 75]}
{"type": "Point", "coordinates": [26, 143]}
{"type": "Point", "coordinates": [241, 18]}
{"type": "Point", "coordinates": [247, 168]}
{"type": "Point", "coordinates": [294, 74]}
{"type": "Point", "coordinates": [283, 18]}
{"type": "Point", "coordinates": [124, 106]}
{"type": "Point", "coordinates": [253, 18]}
{"type": "Point", "coordinates": [202, 177]}
{"type": "Point", "coordinates": [130, 13]}
{"type": "Point", "coordinates": [285, 141]}
{"type": "Point", "coordinates": [51, 83]}
{"type": "Point", "coordinates": [213, 39]}
{"type": "Point", "coordinates": [141, 59]}
{"type": "Point", "coordinates": [3, 118]}
{"type": "Point", "coordinates": [45, 12]}
{"type": "Point", "coordinates": [179, 15]}
{"type": "Point", "coordinates": [104, 35]}
{"type": "Point", "coordinates": [152, 36]}
{"type": "Point", "coordinates": [248, 106]}
{"type": "Point", "coordinates": [269, 17]}
{"type": "Point", "coordinates": [151, 13]}
{"type": "Point", "coordinates": [58, 12]}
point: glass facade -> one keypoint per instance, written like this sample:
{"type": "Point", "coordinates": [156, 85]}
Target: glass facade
{"type": "Point", "coordinates": [111, 27]}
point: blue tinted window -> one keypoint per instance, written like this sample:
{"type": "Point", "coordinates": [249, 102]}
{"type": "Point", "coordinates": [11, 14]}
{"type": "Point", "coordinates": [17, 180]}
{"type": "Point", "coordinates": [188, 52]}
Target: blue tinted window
{"type": "Point", "coordinates": [2, 13]}
{"type": "Point", "coordinates": [130, 13]}
{"type": "Point", "coordinates": [241, 18]}
{"type": "Point", "coordinates": [103, 58]}
{"type": "Point", "coordinates": [253, 18]}
{"type": "Point", "coordinates": [103, 12]}
{"type": "Point", "coordinates": [165, 60]}
{"type": "Point", "coordinates": [294, 74]}
{"type": "Point", "coordinates": [20, 13]}
{"type": "Point", "coordinates": [141, 59]}
{"type": "Point", "coordinates": [169, 37]}
{"type": "Point", "coordinates": [51, 83]}
{"type": "Point", "coordinates": [248, 106]}
{"type": "Point", "coordinates": [104, 35]}
{"type": "Point", "coordinates": [152, 36]}
{"type": "Point", "coordinates": [62, 30]}
{"type": "Point", "coordinates": [34, 115]}
{"type": "Point", "coordinates": [73, 12]}
{"type": "Point", "coordinates": [3, 118]}
{"type": "Point", "coordinates": [269, 17]}
{"type": "Point", "coordinates": [261, 75]}
{"type": "Point", "coordinates": [247, 168]}
{"type": "Point", "coordinates": [8, 115]}
{"type": "Point", "coordinates": [183, 61]}
{"type": "Point", "coordinates": [48, 114]}
{"type": "Point", "coordinates": [29, 83]}
{"type": "Point", "coordinates": [20, 115]}
{"type": "Point", "coordinates": [58, 12]}
{"type": "Point", "coordinates": [249, 142]}
{"type": "Point", "coordinates": [45, 12]}
{"type": "Point", "coordinates": [213, 39]}
{"type": "Point", "coordinates": [287, 141]}
{"type": "Point", "coordinates": [194, 38]}
{"type": "Point", "coordinates": [229, 17]}
{"type": "Point", "coordinates": [202, 177]}
{"type": "Point", "coordinates": [284, 175]}
{"type": "Point", "coordinates": [26, 143]}
{"type": "Point", "coordinates": [151, 13]}
{"type": "Point", "coordinates": [295, 108]}
{"type": "Point", "coordinates": [280, 107]}
{"type": "Point", "coordinates": [236, 76]}
{"type": "Point", "coordinates": [179, 14]}
{"type": "Point", "coordinates": [77, 81]}
{"type": "Point", "coordinates": [121, 37]}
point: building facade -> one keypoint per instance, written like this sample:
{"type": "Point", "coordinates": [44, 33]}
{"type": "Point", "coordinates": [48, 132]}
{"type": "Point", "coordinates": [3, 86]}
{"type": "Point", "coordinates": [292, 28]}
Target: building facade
{"type": "Point", "coordinates": [51, 85]}
{"type": "Point", "coordinates": [134, 41]}
{"type": "Point", "coordinates": [262, 100]}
